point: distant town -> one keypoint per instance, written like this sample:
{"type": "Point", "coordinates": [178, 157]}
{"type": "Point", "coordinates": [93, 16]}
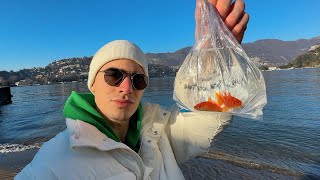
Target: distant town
{"type": "Point", "coordinates": [66, 71]}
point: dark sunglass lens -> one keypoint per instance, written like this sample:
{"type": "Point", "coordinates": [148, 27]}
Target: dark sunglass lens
{"type": "Point", "coordinates": [113, 77]}
{"type": "Point", "coordinates": [139, 81]}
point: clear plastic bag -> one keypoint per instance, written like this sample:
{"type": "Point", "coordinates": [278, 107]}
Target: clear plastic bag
{"type": "Point", "coordinates": [218, 71]}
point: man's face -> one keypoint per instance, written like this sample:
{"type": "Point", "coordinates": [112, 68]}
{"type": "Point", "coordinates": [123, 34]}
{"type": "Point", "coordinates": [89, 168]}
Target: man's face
{"type": "Point", "coordinates": [118, 104]}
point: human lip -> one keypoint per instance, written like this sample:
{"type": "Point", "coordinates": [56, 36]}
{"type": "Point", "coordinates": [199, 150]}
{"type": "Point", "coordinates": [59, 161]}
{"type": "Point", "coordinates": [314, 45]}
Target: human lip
{"type": "Point", "coordinates": [122, 103]}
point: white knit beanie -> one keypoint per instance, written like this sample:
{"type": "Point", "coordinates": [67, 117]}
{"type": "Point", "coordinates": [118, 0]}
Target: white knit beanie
{"type": "Point", "coordinates": [118, 49]}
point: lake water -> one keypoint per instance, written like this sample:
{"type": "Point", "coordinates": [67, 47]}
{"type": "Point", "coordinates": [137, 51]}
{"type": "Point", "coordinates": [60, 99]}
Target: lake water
{"type": "Point", "coordinates": [284, 145]}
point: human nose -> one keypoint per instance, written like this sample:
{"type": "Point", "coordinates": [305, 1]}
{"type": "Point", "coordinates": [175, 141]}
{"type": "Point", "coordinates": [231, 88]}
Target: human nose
{"type": "Point", "coordinates": [126, 86]}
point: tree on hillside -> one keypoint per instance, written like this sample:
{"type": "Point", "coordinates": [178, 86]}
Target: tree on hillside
{"type": "Point", "coordinates": [13, 79]}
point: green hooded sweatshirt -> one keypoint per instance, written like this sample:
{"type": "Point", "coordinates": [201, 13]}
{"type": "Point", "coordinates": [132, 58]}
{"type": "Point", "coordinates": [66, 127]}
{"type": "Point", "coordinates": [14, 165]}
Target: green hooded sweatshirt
{"type": "Point", "coordinates": [82, 107]}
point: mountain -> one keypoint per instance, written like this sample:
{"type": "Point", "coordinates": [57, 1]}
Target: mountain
{"type": "Point", "coordinates": [266, 52]}
{"type": "Point", "coordinates": [269, 52]}
{"type": "Point", "coordinates": [309, 59]}
{"type": "Point", "coordinates": [275, 52]}
{"type": "Point", "coordinates": [168, 59]}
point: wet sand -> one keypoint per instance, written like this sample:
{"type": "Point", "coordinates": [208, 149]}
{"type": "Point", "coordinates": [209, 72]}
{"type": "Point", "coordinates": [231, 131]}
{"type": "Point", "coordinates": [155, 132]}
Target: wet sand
{"type": "Point", "coordinates": [217, 166]}
{"type": "Point", "coordinates": [12, 163]}
{"type": "Point", "coordinates": [6, 174]}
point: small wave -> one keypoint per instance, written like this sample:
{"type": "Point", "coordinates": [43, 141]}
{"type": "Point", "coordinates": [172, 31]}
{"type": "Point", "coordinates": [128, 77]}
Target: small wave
{"type": "Point", "coordinates": [9, 148]}
{"type": "Point", "coordinates": [249, 164]}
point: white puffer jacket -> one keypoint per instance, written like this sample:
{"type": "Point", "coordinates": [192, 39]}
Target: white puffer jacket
{"type": "Point", "coordinates": [167, 138]}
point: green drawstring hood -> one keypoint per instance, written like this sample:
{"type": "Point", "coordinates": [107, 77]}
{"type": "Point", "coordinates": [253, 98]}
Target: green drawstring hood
{"type": "Point", "coordinates": [82, 107]}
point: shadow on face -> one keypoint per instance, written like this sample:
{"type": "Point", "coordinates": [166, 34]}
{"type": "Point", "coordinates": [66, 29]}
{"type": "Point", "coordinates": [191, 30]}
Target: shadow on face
{"type": "Point", "coordinates": [117, 103]}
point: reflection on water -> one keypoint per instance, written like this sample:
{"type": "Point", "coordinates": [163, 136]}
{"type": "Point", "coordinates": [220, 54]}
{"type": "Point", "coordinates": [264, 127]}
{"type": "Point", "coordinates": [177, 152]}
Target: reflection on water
{"type": "Point", "coordinates": [224, 166]}
{"type": "Point", "coordinates": [160, 91]}
{"type": "Point", "coordinates": [36, 112]}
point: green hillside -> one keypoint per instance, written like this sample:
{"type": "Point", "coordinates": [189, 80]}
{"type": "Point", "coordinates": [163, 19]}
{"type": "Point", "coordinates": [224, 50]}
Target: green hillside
{"type": "Point", "coordinates": [309, 59]}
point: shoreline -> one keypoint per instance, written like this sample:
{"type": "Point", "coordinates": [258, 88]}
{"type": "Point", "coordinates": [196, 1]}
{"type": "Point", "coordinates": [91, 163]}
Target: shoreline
{"type": "Point", "coordinates": [72, 82]}
{"type": "Point", "coordinates": [4, 174]}
{"type": "Point", "coordinates": [12, 163]}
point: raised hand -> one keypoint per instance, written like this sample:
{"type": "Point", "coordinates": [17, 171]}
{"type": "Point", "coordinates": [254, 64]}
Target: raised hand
{"type": "Point", "coordinates": [233, 15]}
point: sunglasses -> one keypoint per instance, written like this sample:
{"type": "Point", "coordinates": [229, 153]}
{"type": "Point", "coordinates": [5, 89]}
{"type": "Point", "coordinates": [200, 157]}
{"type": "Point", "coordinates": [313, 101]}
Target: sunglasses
{"type": "Point", "coordinates": [114, 77]}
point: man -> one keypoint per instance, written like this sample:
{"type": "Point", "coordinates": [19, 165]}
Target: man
{"type": "Point", "coordinates": [111, 135]}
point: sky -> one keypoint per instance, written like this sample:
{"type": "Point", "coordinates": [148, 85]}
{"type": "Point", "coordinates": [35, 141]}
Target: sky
{"type": "Point", "coordinates": [34, 33]}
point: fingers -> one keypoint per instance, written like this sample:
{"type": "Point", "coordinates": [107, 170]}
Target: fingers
{"type": "Point", "coordinates": [223, 6]}
{"type": "Point", "coordinates": [235, 15]}
{"type": "Point", "coordinates": [240, 28]}
{"type": "Point", "coordinates": [197, 12]}
{"type": "Point", "coordinates": [213, 2]}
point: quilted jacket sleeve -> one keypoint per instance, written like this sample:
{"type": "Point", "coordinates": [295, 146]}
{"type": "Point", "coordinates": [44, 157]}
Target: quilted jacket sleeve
{"type": "Point", "coordinates": [41, 165]}
{"type": "Point", "coordinates": [36, 172]}
{"type": "Point", "coordinates": [191, 133]}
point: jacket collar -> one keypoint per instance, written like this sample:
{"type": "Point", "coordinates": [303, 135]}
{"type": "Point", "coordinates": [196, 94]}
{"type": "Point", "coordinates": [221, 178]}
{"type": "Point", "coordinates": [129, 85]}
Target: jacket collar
{"type": "Point", "coordinates": [81, 106]}
{"type": "Point", "coordinates": [83, 134]}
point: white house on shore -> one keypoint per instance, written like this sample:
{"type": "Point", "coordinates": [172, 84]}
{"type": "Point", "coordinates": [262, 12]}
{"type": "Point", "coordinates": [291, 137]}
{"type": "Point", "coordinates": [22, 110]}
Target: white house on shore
{"type": "Point", "coordinates": [271, 68]}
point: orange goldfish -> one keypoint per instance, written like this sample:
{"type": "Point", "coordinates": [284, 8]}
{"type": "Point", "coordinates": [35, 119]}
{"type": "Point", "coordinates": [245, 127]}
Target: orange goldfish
{"type": "Point", "coordinates": [208, 106]}
{"type": "Point", "coordinates": [224, 102]}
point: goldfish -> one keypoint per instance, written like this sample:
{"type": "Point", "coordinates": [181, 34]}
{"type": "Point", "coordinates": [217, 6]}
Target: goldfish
{"type": "Point", "coordinates": [224, 103]}
{"type": "Point", "coordinates": [208, 106]}
{"type": "Point", "coordinates": [228, 101]}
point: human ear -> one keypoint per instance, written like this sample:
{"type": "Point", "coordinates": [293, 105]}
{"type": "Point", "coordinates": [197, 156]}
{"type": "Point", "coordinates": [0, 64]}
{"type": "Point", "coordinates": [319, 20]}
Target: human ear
{"type": "Point", "coordinates": [93, 87]}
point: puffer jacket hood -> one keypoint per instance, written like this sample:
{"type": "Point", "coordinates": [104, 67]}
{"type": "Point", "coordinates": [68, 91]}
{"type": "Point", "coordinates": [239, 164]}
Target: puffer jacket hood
{"type": "Point", "coordinates": [82, 107]}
